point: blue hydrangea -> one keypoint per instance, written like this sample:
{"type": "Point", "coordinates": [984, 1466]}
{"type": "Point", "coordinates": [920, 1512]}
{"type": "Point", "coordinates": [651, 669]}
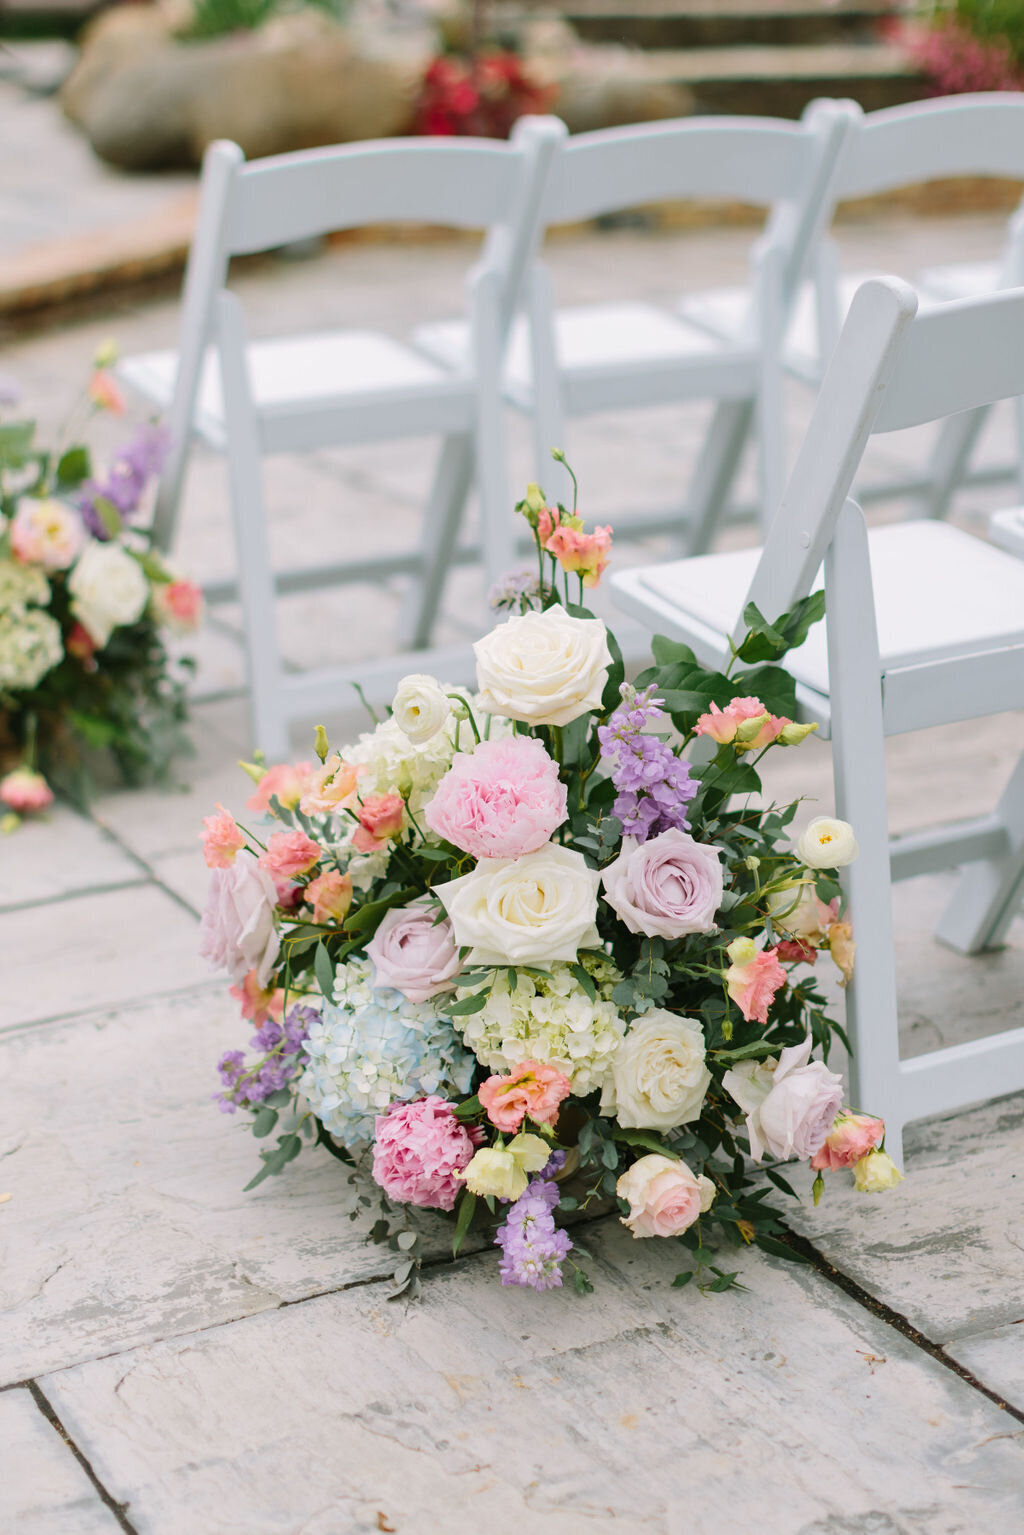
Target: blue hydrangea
{"type": "Point", "coordinates": [371, 1048]}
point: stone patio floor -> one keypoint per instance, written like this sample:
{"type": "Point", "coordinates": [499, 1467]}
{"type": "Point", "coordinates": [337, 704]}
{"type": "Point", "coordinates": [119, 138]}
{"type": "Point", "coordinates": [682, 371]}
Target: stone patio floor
{"type": "Point", "coordinates": [180, 1358]}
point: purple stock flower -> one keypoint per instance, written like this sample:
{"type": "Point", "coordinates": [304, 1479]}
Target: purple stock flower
{"type": "Point", "coordinates": [127, 478]}
{"type": "Point", "coordinates": [532, 1245]}
{"type": "Point", "coordinates": [654, 785]}
{"type": "Point", "coordinates": [519, 589]}
{"type": "Point", "coordinates": [283, 1058]}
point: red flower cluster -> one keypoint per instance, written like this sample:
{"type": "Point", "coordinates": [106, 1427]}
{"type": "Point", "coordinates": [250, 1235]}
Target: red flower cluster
{"type": "Point", "coordinates": [956, 61]}
{"type": "Point", "coordinates": [479, 98]}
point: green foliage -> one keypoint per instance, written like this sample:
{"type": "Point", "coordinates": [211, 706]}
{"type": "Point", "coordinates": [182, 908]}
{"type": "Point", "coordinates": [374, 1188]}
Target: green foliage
{"type": "Point", "coordinates": [216, 18]}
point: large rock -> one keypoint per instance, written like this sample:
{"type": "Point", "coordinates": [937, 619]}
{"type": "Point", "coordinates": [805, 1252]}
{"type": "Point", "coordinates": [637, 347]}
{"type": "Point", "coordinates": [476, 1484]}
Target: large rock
{"type": "Point", "coordinates": [147, 100]}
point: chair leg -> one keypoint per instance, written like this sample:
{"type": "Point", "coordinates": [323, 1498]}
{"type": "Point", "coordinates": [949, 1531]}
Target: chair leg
{"type": "Point", "coordinates": [716, 470]}
{"type": "Point", "coordinates": [989, 893]}
{"type": "Point", "coordinates": [858, 756]}
{"type": "Point", "coordinates": [951, 455]}
{"type": "Point", "coordinates": [497, 514]}
{"type": "Point", "coordinates": [441, 523]}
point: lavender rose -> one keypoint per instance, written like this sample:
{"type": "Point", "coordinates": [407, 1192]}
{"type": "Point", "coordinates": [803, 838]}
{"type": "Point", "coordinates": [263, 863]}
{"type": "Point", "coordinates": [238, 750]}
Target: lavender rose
{"type": "Point", "coordinates": [237, 933]}
{"type": "Point", "coordinates": [414, 953]}
{"type": "Point", "coordinates": [790, 1104]}
{"type": "Point", "coordinates": [667, 887]}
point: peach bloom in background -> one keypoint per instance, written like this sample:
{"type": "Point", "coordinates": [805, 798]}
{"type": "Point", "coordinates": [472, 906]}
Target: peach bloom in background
{"type": "Point", "coordinates": [735, 723]}
{"type": "Point", "coordinates": [842, 948]}
{"type": "Point", "coordinates": [381, 817]}
{"type": "Point", "coordinates": [81, 645]}
{"type": "Point", "coordinates": [222, 838]}
{"type": "Point", "coordinates": [46, 533]}
{"type": "Point", "coordinates": [533, 1089]}
{"type": "Point", "coordinates": [105, 394]}
{"type": "Point", "coordinates": [851, 1138]}
{"type": "Point", "coordinates": [258, 1003]}
{"type": "Point", "coordinates": [289, 854]}
{"type": "Point", "coordinates": [333, 788]}
{"type": "Point", "coordinates": [286, 782]}
{"type": "Point", "coordinates": [25, 790]}
{"type": "Point", "coordinates": [753, 978]}
{"type": "Point", "coordinates": [330, 896]}
{"type": "Point", "coordinates": [178, 605]}
{"type": "Point", "coordinates": [585, 554]}
{"type": "Point", "coordinates": [663, 1195]}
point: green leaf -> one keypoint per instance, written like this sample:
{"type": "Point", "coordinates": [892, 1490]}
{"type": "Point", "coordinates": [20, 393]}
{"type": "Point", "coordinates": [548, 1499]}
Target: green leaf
{"type": "Point", "coordinates": [723, 1282]}
{"type": "Point", "coordinates": [780, 1182]}
{"type": "Point", "coordinates": [407, 1240]}
{"type": "Point", "coordinates": [683, 1279]}
{"type": "Point", "coordinates": [16, 443]}
{"type": "Point", "coordinates": [469, 1109]}
{"type": "Point", "coordinates": [586, 980]}
{"type": "Point", "coordinates": [666, 651]}
{"type": "Point", "coordinates": [612, 697]}
{"type": "Point", "coordinates": [646, 1139]}
{"type": "Point", "coordinates": [324, 971]}
{"type": "Point", "coordinates": [370, 914]}
{"type": "Point", "coordinates": [760, 1049]}
{"type": "Point", "coordinates": [266, 1119]}
{"type": "Point", "coordinates": [467, 1208]}
{"type": "Point", "coordinates": [73, 467]}
{"type": "Point", "coordinates": [779, 1249]}
{"type": "Point", "coordinates": [108, 515]}
{"type": "Point", "coordinates": [466, 1005]}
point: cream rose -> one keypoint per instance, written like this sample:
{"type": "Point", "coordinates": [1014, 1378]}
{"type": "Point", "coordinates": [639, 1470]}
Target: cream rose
{"type": "Point", "coordinates": [659, 1078]}
{"type": "Point", "coordinates": [790, 1103]}
{"type": "Point", "coordinates": [524, 911]}
{"type": "Point", "coordinates": [663, 1195]}
{"type": "Point", "coordinates": [800, 913]}
{"type": "Point", "coordinates": [420, 707]}
{"type": "Point", "coordinates": [827, 844]}
{"type": "Point", "coordinates": [108, 589]}
{"type": "Point", "coordinates": [545, 668]}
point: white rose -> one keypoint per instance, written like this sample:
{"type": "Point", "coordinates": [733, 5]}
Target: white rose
{"type": "Point", "coordinates": [420, 707]}
{"type": "Point", "coordinates": [827, 844]}
{"type": "Point", "coordinates": [790, 1103]}
{"type": "Point", "coordinates": [524, 911]}
{"type": "Point", "coordinates": [544, 668]}
{"type": "Point", "coordinates": [108, 589]}
{"type": "Point", "coordinates": [659, 1078]}
{"type": "Point", "coordinates": [237, 932]}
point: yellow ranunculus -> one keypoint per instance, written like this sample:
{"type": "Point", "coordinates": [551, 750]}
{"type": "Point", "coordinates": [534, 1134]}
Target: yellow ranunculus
{"type": "Point", "coordinates": [875, 1173]}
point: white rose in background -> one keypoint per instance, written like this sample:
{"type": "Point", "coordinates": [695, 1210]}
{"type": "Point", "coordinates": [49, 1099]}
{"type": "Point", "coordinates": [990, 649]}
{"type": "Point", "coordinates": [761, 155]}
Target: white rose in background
{"type": "Point", "coordinates": [524, 911]}
{"type": "Point", "coordinates": [420, 707]}
{"type": "Point", "coordinates": [827, 844]}
{"type": "Point", "coordinates": [790, 1103]}
{"type": "Point", "coordinates": [543, 668]}
{"type": "Point", "coordinates": [108, 589]}
{"type": "Point", "coordinates": [237, 933]}
{"type": "Point", "coordinates": [659, 1078]}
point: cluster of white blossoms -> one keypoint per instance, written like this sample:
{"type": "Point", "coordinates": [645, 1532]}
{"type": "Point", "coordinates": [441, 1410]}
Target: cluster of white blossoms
{"type": "Point", "coordinates": [550, 1020]}
{"type": "Point", "coordinates": [30, 640]}
{"type": "Point", "coordinates": [371, 1048]}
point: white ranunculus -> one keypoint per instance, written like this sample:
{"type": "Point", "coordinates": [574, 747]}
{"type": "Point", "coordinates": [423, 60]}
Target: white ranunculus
{"type": "Point", "coordinates": [420, 707]}
{"type": "Point", "coordinates": [790, 1104]}
{"type": "Point", "coordinates": [108, 589]}
{"type": "Point", "coordinates": [827, 844]}
{"type": "Point", "coordinates": [659, 1077]}
{"type": "Point", "coordinates": [524, 911]}
{"type": "Point", "coordinates": [544, 668]}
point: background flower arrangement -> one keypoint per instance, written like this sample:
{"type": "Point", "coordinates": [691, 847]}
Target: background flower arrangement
{"type": "Point", "coordinates": [526, 951]}
{"type": "Point", "coordinates": [85, 604]}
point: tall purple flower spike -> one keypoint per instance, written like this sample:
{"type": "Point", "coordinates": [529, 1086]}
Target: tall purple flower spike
{"type": "Point", "coordinates": [654, 785]}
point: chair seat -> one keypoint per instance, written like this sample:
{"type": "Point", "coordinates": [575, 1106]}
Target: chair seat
{"type": "Point", "coordinates": [940, 594]}
{"type": "Point", "coordinates": [1007, 530]}
{"type": "Point", "coordinates": [601, 343]}
{"type": "Point", "coordinates": [299, 372]}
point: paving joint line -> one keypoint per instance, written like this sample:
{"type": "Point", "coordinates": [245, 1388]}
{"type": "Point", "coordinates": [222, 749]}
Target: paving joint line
{"type": "Point", "coordinates": [111, 1009]}
{"type": "Point", "coordinates": [61, 896]}
{"type": "Point", "coordinates": [119, 1510]}
{"type": "Point", "coordinates": [894, 1319]}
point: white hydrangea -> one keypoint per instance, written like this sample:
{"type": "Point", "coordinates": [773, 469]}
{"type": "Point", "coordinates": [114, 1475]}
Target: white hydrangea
{"type": "Point", "coordinates": [22, 586]}
{"type": "Point", "coordinates": [553, 1021]}
{"type": "Point", "coordinates": [30, 646]}
{"type": "Point", "coordinates": [372, 1047]}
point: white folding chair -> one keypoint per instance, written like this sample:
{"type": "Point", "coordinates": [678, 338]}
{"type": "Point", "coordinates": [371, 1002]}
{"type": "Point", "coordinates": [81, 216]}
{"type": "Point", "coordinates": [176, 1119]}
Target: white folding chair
{"type": "Point", "coordinates": [948, 137]}
{"type": "Point", "coordinates": [338, 387]}
{"type": "Point", "coordinates": [925, 625]}
{"type": "Point", "coordinates": [576, 361]}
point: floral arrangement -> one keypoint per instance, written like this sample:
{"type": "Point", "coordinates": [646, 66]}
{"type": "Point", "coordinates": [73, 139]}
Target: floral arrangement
{"type": "Point", "coordinates": [85, 602]}
{"type": "Point", "coordinates": [480, 96]}
{"type": "Point", "coordinates": [969, 45]}
{"type": "Point", "coordinates": [521, 952]}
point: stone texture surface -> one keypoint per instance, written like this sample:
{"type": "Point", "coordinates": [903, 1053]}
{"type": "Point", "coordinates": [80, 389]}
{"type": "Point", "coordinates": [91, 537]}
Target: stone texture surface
{"type": "Point", "coordinates": [89, 860]}
{"type": "Point", "coordinates": [626, 1410]}
{"type": "Point", "coordinates": [43, 1489]}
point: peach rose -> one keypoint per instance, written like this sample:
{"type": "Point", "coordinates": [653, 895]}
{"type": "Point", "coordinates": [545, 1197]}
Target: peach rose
{"type": "Point", "coordinates": [533, 1089]}
{"type": "Point", "coordinates": [663, 1195]}
{"type": "Point", "coordinates": [289, 854]}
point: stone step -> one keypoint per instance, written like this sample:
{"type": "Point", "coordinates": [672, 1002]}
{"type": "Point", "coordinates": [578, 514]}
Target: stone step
{"type": "Point", "coordinates": [706, 23]}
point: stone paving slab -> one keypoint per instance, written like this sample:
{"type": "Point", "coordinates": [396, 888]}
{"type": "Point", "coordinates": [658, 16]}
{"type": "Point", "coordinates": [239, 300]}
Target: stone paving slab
{"type": "Point", "coordinates": [43, 1489]}
{"type": "Point", "coordinates": [128, 1221]}
{"type": "Point", "coordinates": [486, 1408]}
{"type": "Point", "coordinates": [996, 1357]}
{"type": "Point", "coordinates": [89, 859]}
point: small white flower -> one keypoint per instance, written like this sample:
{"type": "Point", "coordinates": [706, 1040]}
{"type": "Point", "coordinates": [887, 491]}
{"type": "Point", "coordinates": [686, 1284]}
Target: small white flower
{"type": "Point", "coordinates": [108, 589]}
{"type": "Point", "coordinates": [420, 708]}
{"type": "Point", "coordinates": [827, 843]}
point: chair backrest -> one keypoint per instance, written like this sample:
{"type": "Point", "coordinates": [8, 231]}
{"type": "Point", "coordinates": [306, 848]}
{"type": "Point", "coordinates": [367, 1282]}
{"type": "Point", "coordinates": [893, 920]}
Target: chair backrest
{"type": "Point", "coordinates": [768, 162]}
{"type": "Point", "coordinates": [970, 135]}
{"type": "Point", "coordinates": [892, 368]}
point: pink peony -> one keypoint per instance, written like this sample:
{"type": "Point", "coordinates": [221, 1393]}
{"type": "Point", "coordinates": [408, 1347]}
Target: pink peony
{"type": "Point", "coordinates": [237, 932]}
{"type": "Point", "coordinates": [851, 1137]}
{"type": "Point", "coordinates": [330, 896]}
{"type": "Point", "coordinates": [289, 854]}
{"type": "Point", "coordinates": [259, 1002]}
{"type": "Point", "coordinates": [533, 1089]}
{"type": "Point", "coordinates": [414, 953]}
{"type": "Point", "coordinates": [381, 817]}
{"type": "Point", "coordinates": [286, 782]}
{"type": "Point", "coordinates": [25, 790]}
{"type": "Point", "coordinates": [753, 978]}
{"type": "Point", "coordinates": [584, 553]}
{"type": "Point", "coordinates": [501, 800]}
{"type": "Point", "coordinates": [222, 839]}
{"type": "Point", "coordinates": [332, 788]}
{"type": "Point", "coordinates": [667, 887]}
{"type": "Point", "coordinates": [724, 725]}
{"type": "Point", "coordinates": [663, 1195]}
{"type": "Point", "coordinates": [178, 605]}
{"type": "Point", "coordinates": [419, 1152]}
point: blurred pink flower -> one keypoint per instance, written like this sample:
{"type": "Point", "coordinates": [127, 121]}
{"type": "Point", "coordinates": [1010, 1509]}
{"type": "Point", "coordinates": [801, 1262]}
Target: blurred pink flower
{"type": "Point", "coordinates": [419, 1151]}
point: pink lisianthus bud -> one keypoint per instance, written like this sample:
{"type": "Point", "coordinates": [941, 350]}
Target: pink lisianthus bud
{"type": "Point", "coordinates": [753, 978]}
{"type": "Point", "coordinates": [533, 1089]}
{"type": "Point", "coordinates": [287, 782]}
{"type": "Point", "coordinates": [259, 1002]}
{"type": "Point", "coordinates": [105, 394]}
{"type": "Point", "coordinates": [381, 817]}
{"type": "Point", "coordinates": [25, 790]}
{"type": "Point", "coordinates": [289, 854]}
{"type": "Point", "coordinates": [222, 838]}
{"type": "Point", "coordinates": [850, 1138]}
{"type": "Point", "coordinates": [583, 553]}
{"type": "Point", "coordinates": [330, 896]}
{"type": "Point", "coordinates": [178, 605]}
{"type": "Point", "coordinates": [725, 725]}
